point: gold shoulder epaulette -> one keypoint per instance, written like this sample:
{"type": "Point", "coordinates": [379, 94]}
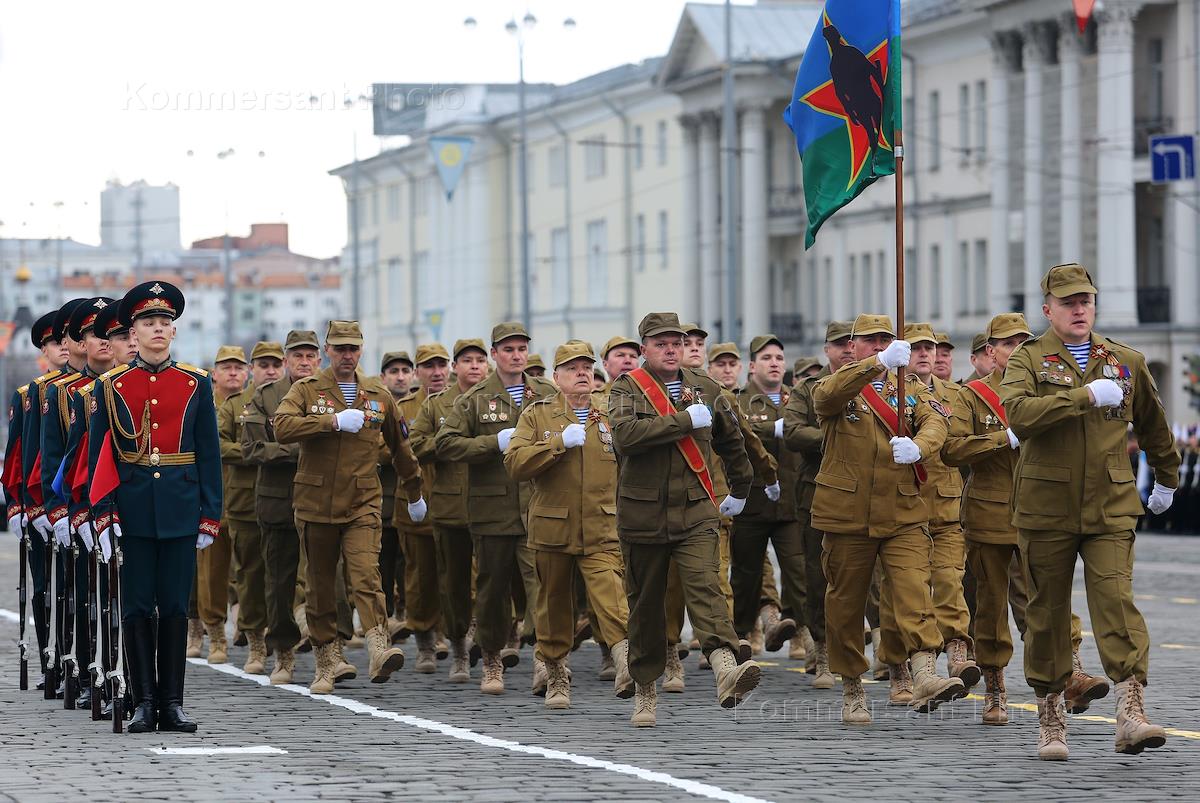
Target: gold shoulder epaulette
{"type": "Point", "coordinates": [194, 369]}
{"type": "Point", "coordinates": [113, 371]}
{"type": "Point", "coordinates": [23, 390]}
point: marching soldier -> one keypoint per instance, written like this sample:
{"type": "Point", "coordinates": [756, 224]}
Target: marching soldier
{"type": "Point", "coordinates": [866, 454]}
{"type": "Point", "coordinates": [266, 365]}
{"type": "Point", "coordinates": [1071, 395]}
{"type": "Point", "coordinates": [337, 416]}
{"type": "Point", "coordinates": [416, 538]}
{"type": "Point", "coordinates": [276, 464]}
{"type": "Point", "coordinates": [155, 463]}
{"type": "Point", "coordinates": [943, 364]}
{"type": "Point", "coordinates": [396, 371]}
{"type": "Point", "coordinates": [563, 448]}
{"type": "Point", "coordinates": [982, 363]}
{"type": "Point", "coordinates": [667, 508]}
{"type": "Point", "coordinates": [477, 432]}
{"type": "Point", "coordinates": [536, 366]}
{"type": "Point", "coordinates": [448, 502]}
{"type": "Point", "coordinates": [802, 433]}
{"type": "Point", "coordinates": [620, 356]}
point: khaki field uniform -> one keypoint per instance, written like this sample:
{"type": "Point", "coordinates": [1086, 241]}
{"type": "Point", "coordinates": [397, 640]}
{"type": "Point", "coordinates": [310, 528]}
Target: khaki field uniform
{"type": "Point", "coordinates": [240, 477]}
{"type": "Point", "coordinates": [1076, 495]}
{"type": "Point", "coordinates": [423, 606]}
{"type": "Point", "coordinates": [212, 575]}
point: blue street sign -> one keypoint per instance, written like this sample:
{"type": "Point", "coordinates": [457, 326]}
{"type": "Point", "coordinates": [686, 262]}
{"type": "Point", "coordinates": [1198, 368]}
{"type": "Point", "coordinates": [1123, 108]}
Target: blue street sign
{"type": "Point", "coordinates": [1172, 158]}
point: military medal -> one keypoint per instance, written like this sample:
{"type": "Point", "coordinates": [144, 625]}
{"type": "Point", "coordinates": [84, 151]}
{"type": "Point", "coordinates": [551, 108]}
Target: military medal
{"type": "Point", "coordinates": [504, 416]}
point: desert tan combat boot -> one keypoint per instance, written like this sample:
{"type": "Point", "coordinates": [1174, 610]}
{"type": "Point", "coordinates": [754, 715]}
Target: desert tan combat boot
{"type": "Point", "coordinates": [558, 688]}
{"type": "Point", "coordinates": [879, 670]}
{"type": "Point", "coordinates": [1052, 728]}
{"type": "Point", "coordinates": [776, 629]}
{"type": "Point", "coordinates": [995, 698]}
{"type": "Point", "coordinates": [901, 688]}
{"type": "Point", "coordinates": [1082, 688]}
{"type": "Point", "coordinates": [343, 670]}
{"type": "Point", "coordinates": [960, 665]}
{"type": "Point", "coordinates": [929, 688]}
{"type": "Point", "coordinates": [854, 703]}
{"type": "Point", "coordinates": [623, 685]}
{"type": "Point", "coordinates": [384, 658]}
{"type": "Point", "coordinates": [493, 674]}
{"type": "Point", "coordinates": [645, 703]}
{"type": "Point", "coordinates": [540, 679]}
{"type": "Point", "coordinates": [285, 666]}
{"type": "Point", "coordinates": [1134, 732]}
{"type": "Point", "coordinates": [195, 638]}
{"type": "Point", "coordinates": [256, 661]}
{"type": "Point", "coordinates": [796, 648]}
{"type": "Point", "coordinates": [460, 671]}
{"type": "Point", "coordinates": [398, 629]}
{"type": "Point", "coordinates": [441, 647]}
{"type": "Point", "coordinates": [426, 662]}
{"type": "Point", "coordinates": [608, 668]}
{"type": "Point", "coordinates": [510, 656]}
{"type": "Point", "coordinates": [218, 647]}
{"type": "Point", "coordinates": [734, 681]}
{"type": "Point", "coordinates": [673, 673]}
{"type": "Point", "coordinates": [822, 677]}
{"type": "Point", "coordinates": [304, 644]}
{"type": "Point", "coordinates": [757, 641]}
{"type": "Point", "coordinates": [323, 680]}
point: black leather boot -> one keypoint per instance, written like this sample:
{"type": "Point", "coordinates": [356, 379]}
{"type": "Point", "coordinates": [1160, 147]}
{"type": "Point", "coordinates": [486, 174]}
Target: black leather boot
{"type": "Point", "coordinates": [172, 661]}
{"type": "Point", "coordinates": [139, 650]}
{"type": "Point", "coordinates": [40, 629]}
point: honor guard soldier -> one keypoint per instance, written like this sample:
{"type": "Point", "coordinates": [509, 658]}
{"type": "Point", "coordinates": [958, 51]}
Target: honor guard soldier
{"type": "Point", "coordinates": [156, 487]}
{"type": "Point", "coordinates": [865, 454]}
{"type": "Point", "coordinates": [666, 421]}
{"type": "Point", "coordinates": [448, 502]}
{"type": "Point", "coordinates": [276, 464]}
{"type": "Point", "coordinates": [338, 417]}
{"type": "Point", "coordinates": [563, 448]}
{"type": "Point", "coordinates": [266, 365]}
{"type": "Point", "coordinates": [477, 431]}
{"type": "Point", "coordinates": [1071, 395]}
{"type": "Point", "coordinates": [421, 577]}
{"type": "Point", "coordinates": [802, 434]}
{"type": "Point", "coordinates": [396, 372]}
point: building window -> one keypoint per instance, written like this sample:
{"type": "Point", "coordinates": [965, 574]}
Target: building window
{"type": "Point", "coordinates": [593, 157]}
{"type": "Point", "coordinates": [865, 285]}
{"type": "Point", "coordinates": [597, 263]}
{"type": "Point", "coordinates": [935, 281]}
{"type": "Point", "coordinates": [421, 199]}
{"type": "Point", "coordinates": [911, 127]}
{"type": "Point", "coordinates": [298, 302]}
{"type": "Point", "coordinates": [638, 147]}
{"type": "Point", "coordinates": [662, 142]}
{"type": "Point", "coordinates": [981, 278]}
{"type": "Point", "coordinates": [531, 251]}
{"type": "Point", "coordinates": [964, 122]}
{"type": "Point", "coordinates": [881, 283]}
{"type": "Point", "coordinates": [560, 295]}
{"type": "Point", "coordinates": [426, 292]}
{"type": "Point", "coordinates": [393, 202]}
{"type": "Point", "coordinates": [964, 278]}
{"type": "Point", "coordinates": [981, 120]}
{"type": "Point", "coordinates": [1156, 78]}
{"type": "Point", "coordinates": [827, 287]}
{"type": "Point", "coordinates": [299, 323]}
{"type": "Point", "coordinates": [396, 295]}
{"type": "Point", "coordinates": [375, 208]}
{"type": "Point", "coordinates": [530, 164]}
{"type": "Point", "coordinates": [912, 282]}
{"type": "Point", "coordinates": [557, 167]}
{"type": "Point", "coordinates": [639, 242]}
{"type": "Point", "coordinates": [268, 302]}
{"type": "Point", "coordinates": [934, 135]}
{"type": "Point", "coordinates": [852, 295]}
{"type": "Point", "coordinates": [662, 239]}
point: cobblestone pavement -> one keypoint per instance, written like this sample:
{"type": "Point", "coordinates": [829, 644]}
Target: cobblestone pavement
{"type": "Point", "coordinates": [418, 737]}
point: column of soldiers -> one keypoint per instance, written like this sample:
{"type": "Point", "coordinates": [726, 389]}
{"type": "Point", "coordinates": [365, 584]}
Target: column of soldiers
{"type": "Point", "coordinates": [470, 493]}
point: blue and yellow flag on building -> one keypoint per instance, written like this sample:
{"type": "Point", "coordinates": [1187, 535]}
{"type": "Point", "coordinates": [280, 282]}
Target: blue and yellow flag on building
{"type": "Point", "coordinates": [846, 104]}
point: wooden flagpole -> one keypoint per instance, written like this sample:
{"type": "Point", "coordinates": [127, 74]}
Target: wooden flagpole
{"type": "Point", "coordinates": [898, 145]}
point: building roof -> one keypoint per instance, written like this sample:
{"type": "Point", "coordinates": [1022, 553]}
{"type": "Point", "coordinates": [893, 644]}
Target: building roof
{"type": "Point", "coordinates": [914, 12]}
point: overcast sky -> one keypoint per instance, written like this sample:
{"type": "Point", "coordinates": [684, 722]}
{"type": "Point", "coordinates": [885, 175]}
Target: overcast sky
{"type": "Point", "coordinates": [83, 86]}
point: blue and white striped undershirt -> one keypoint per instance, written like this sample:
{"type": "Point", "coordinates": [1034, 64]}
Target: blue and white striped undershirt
{"type": "Point", "coordinates": [349, 392]}
{"type": "Point", "coordinates": [1081, 353]}
{"type": "Point", "coordinates": [517, 392]}
{"type": "Point", "coordinates": [582, 414]}
{"type": "Point", "coordinates": [878, 385]}
{"type": "Point", "coordinates": [675, 388]}
{"type": "Point", "coordinates": [775, 397]}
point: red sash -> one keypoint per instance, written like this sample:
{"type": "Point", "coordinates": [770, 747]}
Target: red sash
{"type": "Point", "coordinates": [984, 391]}
{"type": "Point", "coordinates": [886, 414]}
{"type": "Point", "coordinates": [687, 444]}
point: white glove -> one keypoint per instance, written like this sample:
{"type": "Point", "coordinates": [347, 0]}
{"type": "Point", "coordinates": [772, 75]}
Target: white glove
{"type": "Point", "coordinates": [732, 506]}
{"type": "Point", "coordinates": [574, 435]}
{"type": "Point", "coordinates": [42, 525]}
{"type": "Point", "coordinates": [15, 524]}
{"type": "Point", "coordinates": [504, 436]}
{"type": "Point", "coordinates": [701, 416]}
{"type": "Point", "coordinates": [1012, 439]}
{"type": "Point", "coordinates": [349, 420]}
{"type": "Point", "coordinates": [896, 355]}
{"type": "Point", "coordinates": [1105, 393]}
{"type": "Point", "coordinates": [417, 510]}
{"type": "Point", "coordinates": [772, 491]}
{"type": "Point", "coordinates": [105, 541]}
{"type": "Point", "coordinates": [203, 541]}
{"type": "Point", "coordinates": [1160, 499]}
{"type": "Point", "coordinates": [86, 536]}
{"type": "Point", "coordinates": [778, 427]}
{"type": "Point", "coordinates": [62, 532]}
{"type": "Point", "coordinates": [905, 451]}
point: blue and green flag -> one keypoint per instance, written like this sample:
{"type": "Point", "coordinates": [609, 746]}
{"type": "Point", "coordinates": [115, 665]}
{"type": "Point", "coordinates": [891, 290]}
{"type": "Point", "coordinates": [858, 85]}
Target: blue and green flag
{"type": "Point", "coordinates": [846, 104]}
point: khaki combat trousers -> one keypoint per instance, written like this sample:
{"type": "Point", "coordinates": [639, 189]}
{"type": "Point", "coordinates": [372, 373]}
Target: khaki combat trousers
{"type": "Point", "coordinates": [675, 604]}
{"type": "Point", "coordinates": [212, 580]}
{"type": "Point", "coordinates": [251, 579]}
{"type": "Point", "coordinates": [603, 576]}
{"type": "Point", "coordinates": [946, 566]}
{"type": "Point", "coordinates": [421, 603]}
{"type": "Point", "coordinates": [356, 543]}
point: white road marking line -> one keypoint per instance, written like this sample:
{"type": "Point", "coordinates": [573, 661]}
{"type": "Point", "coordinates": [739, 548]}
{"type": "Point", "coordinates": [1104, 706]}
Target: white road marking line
{"type": "Point", "coordinates": [255, 750]}
{"type": "Point", "coordinates": [13, 617]}
{"type": "Point", "coordinates": [455, 732]}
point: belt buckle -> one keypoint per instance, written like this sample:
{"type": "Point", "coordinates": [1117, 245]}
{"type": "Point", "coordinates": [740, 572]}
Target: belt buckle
{"type": "Point", "coordinates": [155, 459]}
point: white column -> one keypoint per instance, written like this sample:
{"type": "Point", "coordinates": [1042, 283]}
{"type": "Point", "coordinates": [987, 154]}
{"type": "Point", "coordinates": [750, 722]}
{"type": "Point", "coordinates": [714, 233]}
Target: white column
{"type": "Point", "coordinates": [1117, 248]}
{"type": "Point", "coordinates": [755, 270]}
{"type": "Point", "coordinates": [1070, 158]}
{"type": "Point", "coordinates": [1004, 64]}
{"type": "Point", "coordinates": [1183, 202]}
{"type": "Point", "coordinates": [1034, 55]}
{"type": "Point", "coordinates": [710, 231]}
{"type": "Point", "coordinates": [843, 308]}
{"type": "Point", "coordinates": [689, 303]}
